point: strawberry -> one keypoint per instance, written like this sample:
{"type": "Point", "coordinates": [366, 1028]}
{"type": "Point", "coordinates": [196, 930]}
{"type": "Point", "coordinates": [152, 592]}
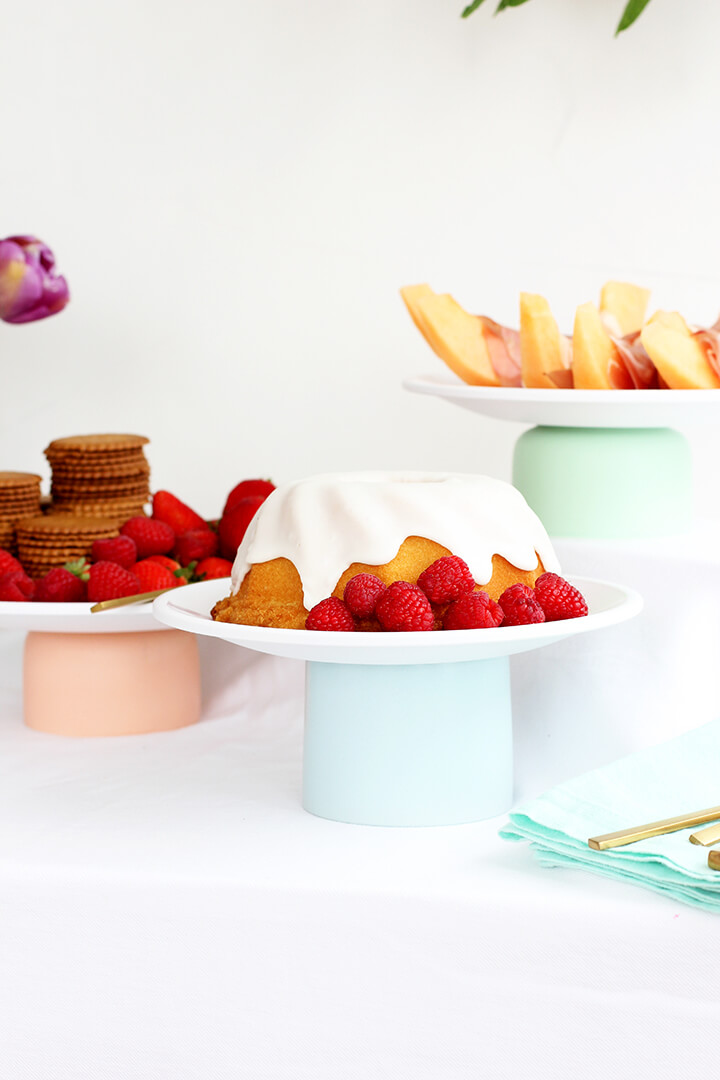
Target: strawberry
{"type": "Point", "coordinates": [151, 537]}
{"type": "Point", "coordinates": [446, 579]}
{"type": "Point", "coordinates": [118, 549]}
{"type": "Point", "coordinates": [404, 607]}
{"type": "Point", "coordinates": [330, 614]}
{"type": "Point", "coordinates": [209, 569]}
{"type": "Point", "coordinates": [8, 562]}
{"type": "Point", "coordinates": [176, 514]}
{"type": "Point", "coordinates": [16, 586]}
{"type": "Point", "coordinates": [246, 488]}
{"type": "Point", "coordinates": [195, 544]}
{"type": "Point", "coordinates": [152, 576]}
{"type": "Point", "coordinates": [166, 561]}
{"type": "Point", "coordinates": [233, 525]}
{"type": "Point", "coordinates": [108, 581]}
{"type": "Point", "coordinates": [558, 598]}
{"type": "Point", "coordinates": [60, 586]}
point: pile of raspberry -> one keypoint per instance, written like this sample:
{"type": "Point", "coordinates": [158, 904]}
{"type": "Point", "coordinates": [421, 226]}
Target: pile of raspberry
{"type": "Point", "coordinates": [446, 597]}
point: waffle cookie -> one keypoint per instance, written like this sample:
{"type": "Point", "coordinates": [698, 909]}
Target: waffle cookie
{"type": "Point", "coordinates": [104, 476]}
{"type": "Point", "coordinates": [19, 498]}
{"type": "Point", "coordinates": [48, 540]}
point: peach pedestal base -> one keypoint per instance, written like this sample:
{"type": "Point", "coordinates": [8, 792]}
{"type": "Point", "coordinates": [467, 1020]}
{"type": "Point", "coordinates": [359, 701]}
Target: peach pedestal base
{"type": "Point", "coordinates": [111, 684]}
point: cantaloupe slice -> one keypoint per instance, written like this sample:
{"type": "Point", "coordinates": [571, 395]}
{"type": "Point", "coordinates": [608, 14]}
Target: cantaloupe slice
{"type": "Point", "coordinates": [592, 350]}
{"type": "Point", "coordinates": [413, 296]}
{"type": "Point", "coordinates": [625, 304]}
{"type": "Point", "coordinates": [678, 356]}
{"type": "Point", "coordinates": [541, 348]}
{"type": "Point", "coordinates": [455, 335]}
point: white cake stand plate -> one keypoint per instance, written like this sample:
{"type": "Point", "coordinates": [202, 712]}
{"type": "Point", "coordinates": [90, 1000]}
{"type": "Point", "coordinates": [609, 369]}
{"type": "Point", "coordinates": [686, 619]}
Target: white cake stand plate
{"type": "Point", "coordinates": [599, 464]}
{"type": "Point", "coordinates": [406, 728]}
{"type": "Point", "coordinates": [117, 672]}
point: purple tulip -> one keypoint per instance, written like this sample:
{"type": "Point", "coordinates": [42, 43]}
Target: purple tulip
{"type": "Point", "coordinates": [29, 287]}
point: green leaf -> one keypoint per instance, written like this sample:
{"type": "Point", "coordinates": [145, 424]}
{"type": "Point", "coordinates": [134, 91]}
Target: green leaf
{"type": "Point", "coordinates": [508, 3]}
{"type": "Point", "coordinates": [630, 14]}
{"type": "Point", "coordinates": [470, 8]}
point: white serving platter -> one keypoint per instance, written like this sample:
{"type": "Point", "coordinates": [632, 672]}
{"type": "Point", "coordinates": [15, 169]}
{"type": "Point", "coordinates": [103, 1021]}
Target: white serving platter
{"type": "Point", "coordinates": [576, 408]}
{"type": "Point", "coordinates": [77, 618]}
{"type": "Point", "coordinates": [189, 609]}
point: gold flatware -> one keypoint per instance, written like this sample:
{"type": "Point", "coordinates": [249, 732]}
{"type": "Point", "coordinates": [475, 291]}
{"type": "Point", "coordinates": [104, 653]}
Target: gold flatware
{"type": "Point", "coordinates": [706, 837]}
{"type": "Point", "coordinates": [123, 601]}
{"type": "Point", "coordinates": [714, 860]}
{"type": "Point", "coordinates": [655, 828]}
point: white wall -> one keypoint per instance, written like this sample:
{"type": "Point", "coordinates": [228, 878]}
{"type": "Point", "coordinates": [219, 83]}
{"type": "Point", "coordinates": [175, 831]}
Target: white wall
{"type": "Point", "coordinates": [236, 191]}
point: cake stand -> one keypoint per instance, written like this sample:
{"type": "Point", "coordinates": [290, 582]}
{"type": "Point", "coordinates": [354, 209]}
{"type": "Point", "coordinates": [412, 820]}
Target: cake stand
{"type": "Point", "coordinates": [406, 728]}
{"type": "Point", "coordinates": [600, 464]}
{"type": "Point", "coordinates": [116, 672]}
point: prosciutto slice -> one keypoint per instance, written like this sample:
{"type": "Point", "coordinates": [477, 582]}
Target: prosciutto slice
{"type": "Point", "coordinates": [563, 378]}
{"type": "Point", "coordinates": [709, 339]}
{"type": "Point", "coordinates": [631, 368]}
{"type": "Point", "coordinates": [504, 349]}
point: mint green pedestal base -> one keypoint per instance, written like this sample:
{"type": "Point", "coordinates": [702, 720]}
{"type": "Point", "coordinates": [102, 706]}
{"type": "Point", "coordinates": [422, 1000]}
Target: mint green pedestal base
{"type": "Point", "coordinates": [606, 483]}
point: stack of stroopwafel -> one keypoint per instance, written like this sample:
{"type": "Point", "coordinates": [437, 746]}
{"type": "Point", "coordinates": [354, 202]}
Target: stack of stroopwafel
{"type": "Point", "coordinates": [48, 540]}
{"type": "Point", "coordinates": [19, 498]}
{"type": "Point", "coordinates": [105, 476]}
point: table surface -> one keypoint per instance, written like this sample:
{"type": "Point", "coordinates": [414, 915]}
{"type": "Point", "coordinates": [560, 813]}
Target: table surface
{"type": "Point", "coordinates": [167, 909]}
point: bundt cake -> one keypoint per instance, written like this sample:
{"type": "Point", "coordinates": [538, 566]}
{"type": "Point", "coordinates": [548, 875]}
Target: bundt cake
{"type": "Point", "coordinates": [309, 538]}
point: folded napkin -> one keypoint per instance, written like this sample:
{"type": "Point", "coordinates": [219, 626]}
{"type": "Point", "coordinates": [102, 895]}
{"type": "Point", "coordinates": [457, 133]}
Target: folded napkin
{"type": "Point", "coordinates": [676, 777]}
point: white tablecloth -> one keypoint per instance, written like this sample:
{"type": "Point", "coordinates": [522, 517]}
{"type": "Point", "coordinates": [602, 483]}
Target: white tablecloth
{"type": "Point", "coordinates": [167, 909]}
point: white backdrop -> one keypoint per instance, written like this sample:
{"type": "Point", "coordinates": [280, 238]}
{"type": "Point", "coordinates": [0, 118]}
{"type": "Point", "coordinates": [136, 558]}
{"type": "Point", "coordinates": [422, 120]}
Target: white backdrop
{"type": "Point", "coordinates": [236, 191]}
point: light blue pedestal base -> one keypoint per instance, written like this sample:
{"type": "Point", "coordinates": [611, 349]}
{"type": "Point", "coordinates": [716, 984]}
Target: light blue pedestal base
{"type": "Point", "coordinates": [606, 483]}
{"type": "Point", "coordinates": [415, 744]}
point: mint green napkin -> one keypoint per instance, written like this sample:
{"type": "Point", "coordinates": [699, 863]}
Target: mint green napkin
{"type": "Point", "coordinates": [675, 777]}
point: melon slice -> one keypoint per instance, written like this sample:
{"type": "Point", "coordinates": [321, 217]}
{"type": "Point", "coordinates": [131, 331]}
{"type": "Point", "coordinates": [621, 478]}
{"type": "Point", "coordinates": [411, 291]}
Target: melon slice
{"type": "Point", "coordinates": [541, 346]}
{"type": "Point", "coordinates": [592, 350]}
{"type": "Point", "coordinates": [677, 354]}
{"type": "Point", "coordinates": [625, 306]}
{"type": "Point", "coordinates": [452, 333]}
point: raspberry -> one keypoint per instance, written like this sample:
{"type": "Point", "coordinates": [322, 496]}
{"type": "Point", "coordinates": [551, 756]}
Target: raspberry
{"type": "Point", "coordinates": [474, 611]}
{"type": "Point", "coordinates": [520, 606]}
{"type": "Point", "coordinates": [330, 614]}
{"type": "Point", "coordinates": [16, 586]}
{"type": "Point", "coordinates": [446, 579]}
{"type": "Point", "coordinates": [60, 586]}
{"type": "Point", "coordinates": [404, 607]}
{"type": "Point", "coordinates": [558, 598]}
{"type": "Point", "coordinates": [152, 576]}
{"type": "Point", "coordinates": [8, 562]}
{"type": "Point", "coordinates": [118, 549]}
{"type": "Point", "coordinates": [362, 593]}
{"type": "Point", "coordinates": [108, 581]}
{"type": "Point", "coordinates": [151, 537]}
{"type": "Point", "coordinates": [196, 544]}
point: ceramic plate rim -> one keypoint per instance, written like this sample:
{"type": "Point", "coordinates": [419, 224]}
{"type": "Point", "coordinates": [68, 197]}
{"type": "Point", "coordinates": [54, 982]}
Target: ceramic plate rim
{"type": "Point", "coordinates": [428, 384]}
{"type": "Point", "coordinates": [50, 618]}
{"type": "Point", "coordinates": [629, 604]}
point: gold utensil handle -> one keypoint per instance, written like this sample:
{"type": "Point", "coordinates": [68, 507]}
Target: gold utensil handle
{"type": "Point", "coordinates": [714, 860]}
{"type": "Point", "coordinates": [706, 837]}
{"type": "Point", "coordinates": [655, 828]}
{"type": "Point", "coordinates": [123, 601]}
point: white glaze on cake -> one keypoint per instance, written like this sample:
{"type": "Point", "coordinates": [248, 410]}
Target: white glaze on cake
{"type": "Point", "coordinates": [325, 523]}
